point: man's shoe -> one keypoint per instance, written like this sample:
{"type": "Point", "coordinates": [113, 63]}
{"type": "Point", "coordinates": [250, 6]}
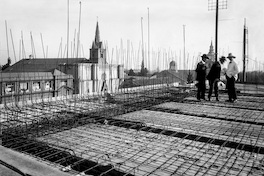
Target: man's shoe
{"type": "Point", "coordinates": [234, 101]}
{"type": "Point", "coordinates": [217, 99]}
{"type": "Point", "coordinates": [228, 101]}
{"type": "Point", "coordinates": [209, 98]}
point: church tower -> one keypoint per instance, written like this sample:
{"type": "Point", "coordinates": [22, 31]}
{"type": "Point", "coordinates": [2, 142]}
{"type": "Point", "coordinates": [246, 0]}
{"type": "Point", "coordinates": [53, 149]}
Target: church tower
{"type": "Point", "coordinates": [211, 53]}
{"type": "Point", "coordinates": [97, 52]}
{"type": "Point", "coordinates": [211, 56]}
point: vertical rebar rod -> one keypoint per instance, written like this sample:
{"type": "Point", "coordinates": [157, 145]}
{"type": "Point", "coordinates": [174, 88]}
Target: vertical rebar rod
{"type": "Point", "coordinates": [78, 40]}
{"type": "Point", "coordinates": [13, 44]}
{"type": "Point", "coordinates": [7, 40]}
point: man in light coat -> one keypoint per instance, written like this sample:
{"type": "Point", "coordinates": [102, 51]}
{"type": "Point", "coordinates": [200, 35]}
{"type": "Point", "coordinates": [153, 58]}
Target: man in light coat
{"type": "Point", "coordinates": [231, 77]}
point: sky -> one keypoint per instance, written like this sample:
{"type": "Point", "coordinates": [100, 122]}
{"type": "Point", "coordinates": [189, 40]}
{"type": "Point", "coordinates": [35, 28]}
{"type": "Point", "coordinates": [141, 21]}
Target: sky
{"type": "Point", "coordinates": [167, 28]}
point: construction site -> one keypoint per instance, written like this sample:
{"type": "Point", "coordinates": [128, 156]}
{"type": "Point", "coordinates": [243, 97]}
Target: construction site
{"type": "Point", "coordinates": [131, 111]}
{"type": "Point", "coordinates": [152, 130]}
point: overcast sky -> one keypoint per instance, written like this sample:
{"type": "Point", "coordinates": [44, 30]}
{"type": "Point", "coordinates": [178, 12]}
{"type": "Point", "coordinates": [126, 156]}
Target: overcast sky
{"type": "Point", "coordinates": [120, 21]}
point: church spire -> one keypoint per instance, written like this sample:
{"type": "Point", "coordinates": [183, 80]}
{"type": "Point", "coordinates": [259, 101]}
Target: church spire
{"type": "Point", "coordinates": [211, 50]}
{"type": "Point", "coordinates": [97, 35]}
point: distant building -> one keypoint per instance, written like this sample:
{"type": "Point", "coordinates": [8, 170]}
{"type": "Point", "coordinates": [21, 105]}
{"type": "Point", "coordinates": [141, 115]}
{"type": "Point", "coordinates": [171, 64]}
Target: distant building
{"type": "Point", "coordinates": [173, 66]}
{"type": "Point", "coordinates": [34, 85]}
{"type": "Point", "coordinates": [165, 77]}
{"type": "Point", "coordinates": [30, 79]}
{"type": "Point", "coordinates": [97, 52]}
{"type": "Point", "coordinates": [27, 78]}
{"type": "Point", "coordinates": [169, 76]}
{"type": "Point", "coordinates": [211, 53]}
{"type": "Point", "coordinates": [96, 75]}
{"type": "Point", "coordinates": [211, 56]}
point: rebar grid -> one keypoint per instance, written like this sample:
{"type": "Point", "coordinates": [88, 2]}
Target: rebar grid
{"type": "Point", "coordinates": [129, 135]}
{"type": "Point", "coordinates": [239, 132]}
{"type": "Point", "coordinates": [51, 110]}
{"type": "Point", "coordinates": [130, 150]}
{"type": "Point", "coordinates": [206, 127]}
{"type": "Point", "coordinates": [244, 102]}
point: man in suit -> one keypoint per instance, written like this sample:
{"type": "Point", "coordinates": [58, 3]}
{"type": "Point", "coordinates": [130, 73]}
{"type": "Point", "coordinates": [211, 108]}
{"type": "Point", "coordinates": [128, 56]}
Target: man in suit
{"type": "Point", "coordinates": [200, 78]}
{"type": "Point", "coordinates": [214, 77]}
{"type": "Point", "coordinates": [231, 77]}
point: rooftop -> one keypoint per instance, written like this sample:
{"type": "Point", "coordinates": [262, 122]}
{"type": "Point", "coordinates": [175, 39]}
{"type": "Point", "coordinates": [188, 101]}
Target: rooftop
{"type": "Point", "coordinates": [41, 64]}
{"type": "Point", "coordinates": [149, 131]}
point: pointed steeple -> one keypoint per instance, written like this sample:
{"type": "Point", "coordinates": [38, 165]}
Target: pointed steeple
{"type": "Point", "coordinates": [211, 50]}
{"type": "Point", "coordinates": [211, 53]}
{"type": "Point", "coordinates": [97, 52]}
{"type": "Point", "coordinates": [97, 35]}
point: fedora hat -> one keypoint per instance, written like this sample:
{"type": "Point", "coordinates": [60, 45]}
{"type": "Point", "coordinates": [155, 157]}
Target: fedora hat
{"type": "Point", "coordinates": [230, 56]}
{"type": "Point", "coordinates": [204, 56]}
{"type": "Point", "coordinates": [222, 58]}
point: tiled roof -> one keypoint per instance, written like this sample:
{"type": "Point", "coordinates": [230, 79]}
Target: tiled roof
{"type": "Point", "coordinates": [18, 76]}
{"type": "Point", "coordinates": [42, 65]}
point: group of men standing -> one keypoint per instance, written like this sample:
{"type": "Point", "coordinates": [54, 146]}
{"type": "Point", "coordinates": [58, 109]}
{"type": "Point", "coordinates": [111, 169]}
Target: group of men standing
{"type": "Point", "coordinates": [213, 77]}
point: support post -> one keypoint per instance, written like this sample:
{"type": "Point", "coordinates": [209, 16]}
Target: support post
{"type": "Point", "coordinates": [216, 30]}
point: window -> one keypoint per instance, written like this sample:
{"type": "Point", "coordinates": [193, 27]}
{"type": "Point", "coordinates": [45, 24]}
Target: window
{"type": "Point", "coordinates": [63, 83]}
{"type": "Point", "coordinates": [23, 87]}
{"type": "Point", "coordinates": [47, 85]}
{"type": "Point", "coordinates": [10, 88]}
{"type": "Point", "coordinates": [36, 87]}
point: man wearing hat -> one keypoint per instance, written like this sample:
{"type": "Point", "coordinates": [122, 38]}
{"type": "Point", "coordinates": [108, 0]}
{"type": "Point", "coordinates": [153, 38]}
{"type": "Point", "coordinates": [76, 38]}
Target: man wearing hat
{"type": "Point", "coordinates": [214, 77]}
{"type": "Point", "coordinates": [231, 77]}
{"type": "Point", "coordinates": [200, 77]}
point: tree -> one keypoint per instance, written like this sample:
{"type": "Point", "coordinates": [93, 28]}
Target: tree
{"type": "Point", "coordinates": [131, 72]}
{"type": "Point", "coordinates": [7, 64]}
{"type": "Point", "coordinates": [143, 71]}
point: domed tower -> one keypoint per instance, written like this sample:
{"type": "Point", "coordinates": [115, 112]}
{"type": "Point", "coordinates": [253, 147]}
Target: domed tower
{"type": "Point", "coordinates": [172, 66]}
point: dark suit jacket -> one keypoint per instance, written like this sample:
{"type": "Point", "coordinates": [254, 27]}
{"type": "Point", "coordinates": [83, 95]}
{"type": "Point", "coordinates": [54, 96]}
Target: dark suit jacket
{"type": "Point", "coordinates": [200, 71]}
{"type": "Point", "coordinates": [214, 72]}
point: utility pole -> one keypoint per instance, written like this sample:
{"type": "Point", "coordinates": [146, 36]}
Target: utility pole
{"type": "Point", "coordinates": [7, 39]}
{"type": "Point", "coordinates": [216, 30]}
{"type": "Point", "coordinates": [216, 5]}
{"type": "Point", "coordinates": [142, 39]}
{"type": "Point", "coordinates": [245, 40]}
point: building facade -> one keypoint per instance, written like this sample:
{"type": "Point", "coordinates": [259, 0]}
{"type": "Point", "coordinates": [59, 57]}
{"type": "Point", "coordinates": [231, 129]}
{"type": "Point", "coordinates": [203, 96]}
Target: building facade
{"type": "Point", "coordinates": [96, 75]}
{"type": "Point", "coordinates": [29, 86]}
{"type": "Point", "coordinates": [50, 77]}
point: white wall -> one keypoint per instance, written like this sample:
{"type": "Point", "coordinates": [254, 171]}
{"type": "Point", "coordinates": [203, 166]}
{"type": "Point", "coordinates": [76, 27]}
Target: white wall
{"type": "Point", "coordinates": [89, 85]}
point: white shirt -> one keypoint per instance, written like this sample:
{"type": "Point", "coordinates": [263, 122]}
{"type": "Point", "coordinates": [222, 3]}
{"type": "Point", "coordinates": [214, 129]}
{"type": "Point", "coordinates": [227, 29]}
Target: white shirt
{"type": "Point", "coordinates": [232, 70]}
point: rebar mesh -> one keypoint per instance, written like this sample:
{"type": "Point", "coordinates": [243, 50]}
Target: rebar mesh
{"type": "Point", "coordinates": [149, 131]}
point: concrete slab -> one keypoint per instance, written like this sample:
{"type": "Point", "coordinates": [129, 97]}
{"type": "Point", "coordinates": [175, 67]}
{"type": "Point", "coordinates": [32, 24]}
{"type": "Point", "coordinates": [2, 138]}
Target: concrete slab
{"type": "Point", "coordinates": [26, 164]}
